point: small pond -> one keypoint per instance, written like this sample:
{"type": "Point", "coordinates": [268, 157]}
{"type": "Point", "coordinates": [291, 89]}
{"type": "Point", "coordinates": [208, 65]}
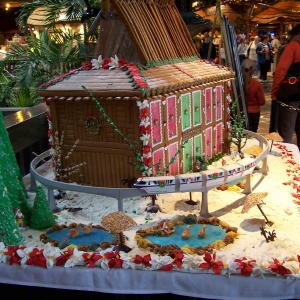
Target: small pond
{"type": "Point", "coordinates": [96, 235]}
{"type": "Point", "coordinates": [213, 233]}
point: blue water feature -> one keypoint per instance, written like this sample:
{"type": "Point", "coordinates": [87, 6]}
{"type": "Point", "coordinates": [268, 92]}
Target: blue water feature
{"type": "Point", "coordinates": [234, 182]}
{"type": "Point", "coordinates": [96, 235]}
{"type": "Point", "coordinates": [213, 233]}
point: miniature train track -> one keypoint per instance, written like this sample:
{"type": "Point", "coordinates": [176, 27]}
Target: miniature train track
{"type": "Point", "coordinates": [122, 193]}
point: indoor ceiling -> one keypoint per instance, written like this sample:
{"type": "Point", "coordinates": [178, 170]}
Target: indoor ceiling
{"type": "Point", "coordinates": [12, 3]}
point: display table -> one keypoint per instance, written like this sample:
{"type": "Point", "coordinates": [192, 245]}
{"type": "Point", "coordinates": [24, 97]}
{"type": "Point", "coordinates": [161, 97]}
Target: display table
{"type": "Point", "coordinates": [119, 281]}
{"type": "Point", "coordinates": [122, 283]}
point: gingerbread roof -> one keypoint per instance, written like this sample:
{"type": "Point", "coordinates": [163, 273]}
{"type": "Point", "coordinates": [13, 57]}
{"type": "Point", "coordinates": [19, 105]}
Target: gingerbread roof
{"type": "Point", "coordinates": [118, 83]}
{"type": "Point", "coordinates": [153, 38]}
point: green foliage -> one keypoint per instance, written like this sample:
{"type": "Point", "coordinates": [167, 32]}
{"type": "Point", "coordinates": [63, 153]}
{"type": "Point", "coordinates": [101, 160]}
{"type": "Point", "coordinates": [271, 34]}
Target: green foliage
{"type": "Point", "coordinates": [74, 10]}
{"type": "Point", "coordinates": [41, 216]}
{"type": "Point", "coordinates": [9, 229]}
{"type": "Point", "coordinates": [237, 135]}
{"type": "Point", "coordinates": [54, 54]}
{"type": "Point", "coordinates": [10, 176]}
{"type": "Point", "coordinates": [190, 219]}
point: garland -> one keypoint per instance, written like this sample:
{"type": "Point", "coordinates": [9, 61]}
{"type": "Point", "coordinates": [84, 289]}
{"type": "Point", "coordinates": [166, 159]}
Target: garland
{"type": "Point", "coordinates": [49, 257]}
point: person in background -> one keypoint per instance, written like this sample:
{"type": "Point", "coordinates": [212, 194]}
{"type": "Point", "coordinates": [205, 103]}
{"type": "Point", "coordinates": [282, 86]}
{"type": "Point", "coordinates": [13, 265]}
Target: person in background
{"type": "Point", "coordinates": [254, 94]}
{"type": "Point", "coordinates": [288, 108]}
{"type": "Point", "coordinates": [264, 57]}
{"type": "Point", "coordinates": [222, 54]}
{"type": "Point", "coordinates": [242, 49]}
{"type": "Point", "coordinates": [251, 54]}
{"type": "Point", "coordinates": [275, 43]}
{"type": "Point", "coordinates": [205, 47]}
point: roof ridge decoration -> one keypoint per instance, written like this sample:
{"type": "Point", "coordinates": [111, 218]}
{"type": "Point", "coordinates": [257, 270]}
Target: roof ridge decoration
{"type": "Point", "coordinates": [157, 29]}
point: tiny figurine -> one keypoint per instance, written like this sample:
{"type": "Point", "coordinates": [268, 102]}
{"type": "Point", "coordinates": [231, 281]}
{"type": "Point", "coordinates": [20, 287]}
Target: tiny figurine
{"type": "Point", "coordinates": [223, 162]}
{"type": "Point", "coordinates": [165, 230]}
{"type": "Point", "coordinates": [87, 228]}
{"type": "Point", "coordinates": [202, 232]}
{"type": "Point", "coordinates": [19, 217]}
{"type": "Point", "coordinates": [186, 234]}
{"type": "Point", "coordinates": [74, 231]}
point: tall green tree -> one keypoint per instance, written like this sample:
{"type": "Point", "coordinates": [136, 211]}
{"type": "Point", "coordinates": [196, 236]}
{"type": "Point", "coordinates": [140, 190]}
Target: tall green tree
{"type": "Point", "coordinates": [10, 175]}
{"type": "Point", "coordinates": [9, 230]}
{"type": "Point", "coordinates": [42, 216]}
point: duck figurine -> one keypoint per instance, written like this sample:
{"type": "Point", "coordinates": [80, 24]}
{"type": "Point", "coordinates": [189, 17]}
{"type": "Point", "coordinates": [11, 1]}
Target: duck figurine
{"type": "Point", "coordinates": [87, 228]}
{"type": "Point", "coordinates": [74, 231]}
{"type": "Point", "coordinates": [202, 233]}
{"type": "Point", "coordinates": [186, 234]}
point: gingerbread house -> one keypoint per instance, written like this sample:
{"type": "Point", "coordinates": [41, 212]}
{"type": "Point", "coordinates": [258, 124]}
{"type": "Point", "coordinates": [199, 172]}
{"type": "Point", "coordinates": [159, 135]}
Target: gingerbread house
{"type": "Point", "coordinates": [148, 104]}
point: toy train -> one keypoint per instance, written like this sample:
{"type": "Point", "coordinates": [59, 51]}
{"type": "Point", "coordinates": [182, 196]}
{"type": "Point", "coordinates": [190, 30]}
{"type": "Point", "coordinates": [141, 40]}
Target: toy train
{"type": "Point", "coordinates": [200, 181]}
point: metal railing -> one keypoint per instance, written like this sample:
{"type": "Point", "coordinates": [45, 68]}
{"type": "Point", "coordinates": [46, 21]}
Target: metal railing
{"type": "Point", "coordinates": [28, 132]}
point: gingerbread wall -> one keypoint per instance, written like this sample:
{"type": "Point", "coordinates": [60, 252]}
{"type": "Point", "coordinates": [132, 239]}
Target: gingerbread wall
{"type": "Point", "coordinates": [197, 115]}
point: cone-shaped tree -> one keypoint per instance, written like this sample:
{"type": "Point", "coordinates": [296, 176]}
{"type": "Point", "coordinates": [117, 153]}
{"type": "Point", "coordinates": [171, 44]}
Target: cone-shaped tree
{"type": "Point", "coordinates": [41, 216]}
{"type": "Point", "coordinates": [9, 229]}
{"type": "Point", "coordinates": [11, 176]}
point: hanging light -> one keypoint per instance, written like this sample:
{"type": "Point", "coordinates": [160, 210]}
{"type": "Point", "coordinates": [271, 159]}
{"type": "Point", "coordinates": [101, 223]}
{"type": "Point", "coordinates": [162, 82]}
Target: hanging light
{"type": "Point", "coordinates": [7, 6]}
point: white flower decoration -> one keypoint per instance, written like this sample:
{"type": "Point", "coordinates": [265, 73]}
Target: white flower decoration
{"type": "Point", "coordinates": [145, 139]}
{"type": "Point", "coordinates": [158, 261]}
{"type": "Point", "coordinates": [142, 104]}
{"type": "Point", "coordinates": [145, 122]}
{"type": "Point", "coordinates": [2, 255]}
{"type": "Point", "coordinates": [97, 63]}
{"type": "Point", "coordinates": [114, 63]}
{"type": "Point", "coordinates": [51, 253]}
{"type": "Point", "coordinates": [75, 259]}
{"type": "Point", "coordinates": [24, 254]}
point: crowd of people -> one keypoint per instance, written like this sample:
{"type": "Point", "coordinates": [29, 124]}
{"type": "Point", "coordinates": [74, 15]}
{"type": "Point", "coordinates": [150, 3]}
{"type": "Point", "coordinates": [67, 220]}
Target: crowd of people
{"type": "Point", "coordinates": [258, 56]}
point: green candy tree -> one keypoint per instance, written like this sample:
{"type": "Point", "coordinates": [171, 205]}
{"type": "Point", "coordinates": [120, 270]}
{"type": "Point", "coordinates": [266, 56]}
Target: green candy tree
{"type": "Point", "coordinates": [41, 216]}
{"type": "Point", "coordinates": [237, 135]}
{"type": "Point", "coordinates": [9, 229]}
{"type": "Point", "coordinates": [10, 175]}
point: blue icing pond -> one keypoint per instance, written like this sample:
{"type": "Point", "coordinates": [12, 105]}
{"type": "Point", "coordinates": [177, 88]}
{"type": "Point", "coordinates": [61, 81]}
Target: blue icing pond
{"type": "Point", "coordinates": [213, 233]}
{"type": "Point", "coordinates": [96, 235]}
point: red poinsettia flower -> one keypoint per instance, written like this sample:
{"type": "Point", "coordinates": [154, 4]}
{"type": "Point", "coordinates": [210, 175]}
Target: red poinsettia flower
{"type": "Point", "coordinates": [48, 116]}
{"type": "Point", "coordinates": [12, 252]}
{"type": "Point", "coordinates": [61, 260]}
{"type": "Point", "coordinates": [245, 266]}
{"type": "Point", "coordinates": [114, 258]}
{"type": "Point", "coordinates": [146, 149]}
{"type": "Point", "coordinates": [178, 257]}
{"type": "Point", "coordinates": [211, 263]}
{"type": "Point", "coordinates": [145, 130]}
{"type": "Point", "coordinates": [122, 63]}
{"type": "Point", "coordinates": [47, 102]}
{"type": "Point", "coordinates": [106, 62]}
{"type": "Point", "coordinates": [37, 258]}
{"type": "Point", "coordinates": [144, 113]}
{"type": "Point", "coordinates": [91, 258]}
{"type": "Point", "coordinates": [277, 267]}
{"type": "Point", "coordinates": [87, 65]}
{"type": "Point", "coordinates": [147, 161]}
{"type": "Point", "coordinates": [168, 267]}
{"type": "Point", "coordinates": [145, 260]}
